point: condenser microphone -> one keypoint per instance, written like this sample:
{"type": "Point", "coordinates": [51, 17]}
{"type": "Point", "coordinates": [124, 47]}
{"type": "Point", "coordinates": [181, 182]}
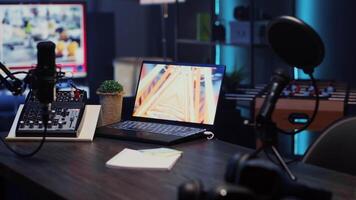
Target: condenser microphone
{"type": "Point", "coordinates": [45, 73]}
{"type": "Point", "coordinates": [278, 81]}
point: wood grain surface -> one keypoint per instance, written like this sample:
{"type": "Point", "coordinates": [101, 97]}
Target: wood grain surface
{"type": "Point", "coordinates": [72, 170]}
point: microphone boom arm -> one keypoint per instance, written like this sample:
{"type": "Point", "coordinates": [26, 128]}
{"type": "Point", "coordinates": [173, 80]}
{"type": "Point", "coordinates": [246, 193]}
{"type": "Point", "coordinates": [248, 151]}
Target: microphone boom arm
{"type": "Point", "coordinates": [15, 85]}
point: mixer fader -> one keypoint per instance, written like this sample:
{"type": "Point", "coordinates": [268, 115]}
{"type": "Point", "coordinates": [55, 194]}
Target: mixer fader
{"type": "Point", "coordinates": [64, 117]}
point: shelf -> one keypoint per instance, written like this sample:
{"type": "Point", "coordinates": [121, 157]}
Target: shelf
{"type": "Point", "coordinates": [211, 43]}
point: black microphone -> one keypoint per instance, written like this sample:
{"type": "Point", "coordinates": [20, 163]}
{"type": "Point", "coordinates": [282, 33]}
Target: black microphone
{"type": "Point", "coordinates": [278, 81]}
{"type": "Point", "coordinates": [45, 73]}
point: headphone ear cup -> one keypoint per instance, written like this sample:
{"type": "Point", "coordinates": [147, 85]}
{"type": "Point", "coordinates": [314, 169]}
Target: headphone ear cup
{"type": "Point", "coordinates": [192, 190]}
{"type": "Point", "coordinates": [262, 177]}
{"type": "Point", "coordinates": [234, 166]}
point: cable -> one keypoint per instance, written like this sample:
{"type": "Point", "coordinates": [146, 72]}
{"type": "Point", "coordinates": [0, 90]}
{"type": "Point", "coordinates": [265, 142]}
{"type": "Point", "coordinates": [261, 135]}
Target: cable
{"type": "Point", "coordinates": [75, 87]}
{"type": "Point", "coordinates": [45, 117]}
{"type": "Point", "coordinates": [316, 108]}
{"type": "Point", "coordinates": [18, 72]}
{"type": "Point", "coordinates": [209, 135]}
{"type": "Point", "coordinates": [25, 82]}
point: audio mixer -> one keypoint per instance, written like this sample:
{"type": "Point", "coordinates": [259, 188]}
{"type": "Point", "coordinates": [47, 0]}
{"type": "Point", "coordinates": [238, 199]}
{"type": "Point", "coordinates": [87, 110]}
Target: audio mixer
{"type": "Point", "coordinates": [64, 117]}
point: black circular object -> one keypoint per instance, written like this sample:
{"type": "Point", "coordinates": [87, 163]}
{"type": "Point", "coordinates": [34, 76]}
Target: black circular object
{"type": "Point", "coordinates": [296, 43]}
{"type": "Point", "coordinates": [192, 190]}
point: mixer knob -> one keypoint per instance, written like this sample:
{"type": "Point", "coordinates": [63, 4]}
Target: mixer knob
{"type": "Point", "coordinates": [31, 124]}
{"type": "Point", "coordinates": [22, 124]}
{"type": "Point", "coordinates": [40, 124]}
{"type": "Point", "coordinates": [60, 124]}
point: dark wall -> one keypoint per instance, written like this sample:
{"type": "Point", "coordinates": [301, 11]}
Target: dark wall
{"type": "Point", "coordinates": [187, 29]}
{"type": "Point", "coordinates": [101, 50]}
{"type": "Point", "coordinates": [119, 29]}
{"type": "Point", "coordinates": [137, 28]}
{"type": "Point", "coordinates": [334, 21]}
{"type": "Point", "coordinates": [266, 61]}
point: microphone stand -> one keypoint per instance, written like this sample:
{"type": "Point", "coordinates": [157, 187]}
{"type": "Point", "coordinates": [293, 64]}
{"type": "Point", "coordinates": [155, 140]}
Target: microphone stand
{"type": "Point", "coordinates": [267, 133]}
{"type": "Point", "coordinates": [15, 85]}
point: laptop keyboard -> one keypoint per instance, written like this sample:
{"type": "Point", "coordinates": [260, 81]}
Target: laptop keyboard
{"type": "Point", "coordinates": [166, 129]}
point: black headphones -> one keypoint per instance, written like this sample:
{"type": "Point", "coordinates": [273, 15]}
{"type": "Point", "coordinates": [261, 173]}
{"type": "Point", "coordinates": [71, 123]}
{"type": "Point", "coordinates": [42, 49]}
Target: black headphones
{"type": "Point", "coordinates": [250, 178]}
{"type": "Point", "coordinates": [268, 180]}
{"type": "Point", "coordinates": [234, 166]}
{"type": "Point", "coordinates": [194, 190]}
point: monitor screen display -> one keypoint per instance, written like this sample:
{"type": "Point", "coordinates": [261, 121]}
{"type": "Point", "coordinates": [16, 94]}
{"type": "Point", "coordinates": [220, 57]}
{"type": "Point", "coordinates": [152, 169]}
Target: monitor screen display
{"type": "Point", "coordinates": [24, 25]}
{"type": "Point", "coordinates": [179, 92]}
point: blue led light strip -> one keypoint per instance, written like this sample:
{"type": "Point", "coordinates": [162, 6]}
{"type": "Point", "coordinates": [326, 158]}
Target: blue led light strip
{"type": "Point", "coordinates": [217, 7]}
{"type": "Point", "coordinates": [217, 47]}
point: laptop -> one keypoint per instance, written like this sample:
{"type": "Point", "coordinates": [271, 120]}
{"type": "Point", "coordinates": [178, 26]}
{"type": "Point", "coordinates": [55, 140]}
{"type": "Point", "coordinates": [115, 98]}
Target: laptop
{"type": "Point", "coordinates": [174, 102]}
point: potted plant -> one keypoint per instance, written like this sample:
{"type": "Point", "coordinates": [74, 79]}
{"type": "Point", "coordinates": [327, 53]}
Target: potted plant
{"type": "Point", "coordinates": [111, 96]}
{"type": "Point", "coordinates": [233, 80]}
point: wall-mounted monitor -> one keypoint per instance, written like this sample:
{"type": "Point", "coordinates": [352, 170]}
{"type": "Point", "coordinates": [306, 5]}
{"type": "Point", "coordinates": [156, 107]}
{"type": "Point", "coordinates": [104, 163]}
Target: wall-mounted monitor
{"type": "Point", "coordinates": [159, 1]}
{"type": "Point", "coordinates": [24, 25]}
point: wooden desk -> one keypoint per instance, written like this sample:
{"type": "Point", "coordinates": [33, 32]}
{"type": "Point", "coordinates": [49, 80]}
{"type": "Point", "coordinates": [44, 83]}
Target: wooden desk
{"type": "Point", "coordinates": [77, 171]}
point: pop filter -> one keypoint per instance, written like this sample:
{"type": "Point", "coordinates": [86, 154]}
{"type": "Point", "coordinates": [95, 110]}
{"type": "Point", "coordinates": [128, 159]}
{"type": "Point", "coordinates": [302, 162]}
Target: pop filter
{"type": "Point", "coordinates": [296, 43]}
{"type": "Point", "coordinates": [299, 45]}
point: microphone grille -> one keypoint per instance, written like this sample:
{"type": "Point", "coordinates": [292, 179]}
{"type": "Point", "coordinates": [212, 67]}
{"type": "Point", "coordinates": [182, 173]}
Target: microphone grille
{"type": "Point", "coordinates": [46, 56]}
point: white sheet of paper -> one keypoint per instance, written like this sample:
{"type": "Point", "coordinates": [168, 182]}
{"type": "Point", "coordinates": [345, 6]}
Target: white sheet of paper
{"type": "Point", "coordinates": [160, 159]}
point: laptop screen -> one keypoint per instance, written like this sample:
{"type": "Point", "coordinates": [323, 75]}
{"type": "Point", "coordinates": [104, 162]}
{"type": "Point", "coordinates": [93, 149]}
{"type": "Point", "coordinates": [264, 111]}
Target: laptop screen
{"type": "Point", "coordinates": [178, 92]}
